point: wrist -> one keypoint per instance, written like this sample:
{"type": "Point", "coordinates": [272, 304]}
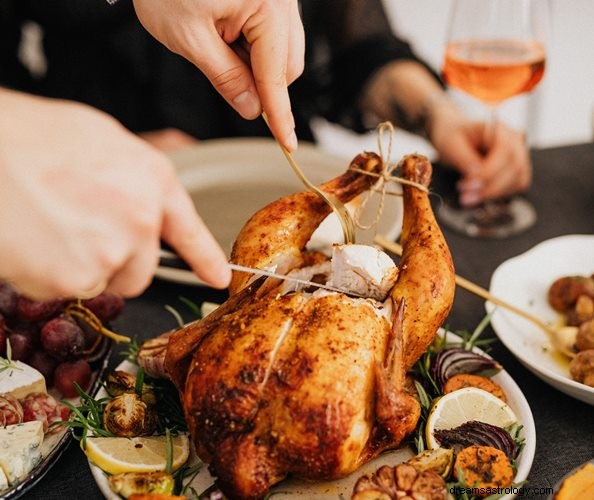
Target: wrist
{"type": "Point", "coordinates": [438, 107]}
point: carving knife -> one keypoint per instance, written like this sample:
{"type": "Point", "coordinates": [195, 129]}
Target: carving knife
{"type": "Point", "coordinates": [170, 259]}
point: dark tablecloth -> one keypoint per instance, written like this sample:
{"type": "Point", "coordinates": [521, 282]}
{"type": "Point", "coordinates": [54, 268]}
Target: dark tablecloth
{"type": "Point", "coordinates": [563, 194]}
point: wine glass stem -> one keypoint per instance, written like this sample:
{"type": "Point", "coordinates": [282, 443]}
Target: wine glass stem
{"type": "Point", "coordinates": [489, 130]}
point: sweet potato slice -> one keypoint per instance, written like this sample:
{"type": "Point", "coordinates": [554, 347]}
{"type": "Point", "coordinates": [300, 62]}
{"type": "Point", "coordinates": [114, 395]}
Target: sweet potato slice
{"type": "Point", "coordinates": [462, 380]}
{"type": "Point", "coordinates": [485, 468]}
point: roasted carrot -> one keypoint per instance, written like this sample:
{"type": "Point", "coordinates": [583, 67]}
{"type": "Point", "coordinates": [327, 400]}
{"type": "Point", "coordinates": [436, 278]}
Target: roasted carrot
{"type": "Point", "coordinates": [462, 380]}
{"type": "Point", "coordinates": [485, 468]}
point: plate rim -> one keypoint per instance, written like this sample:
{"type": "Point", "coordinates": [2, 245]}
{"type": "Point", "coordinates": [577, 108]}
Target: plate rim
{"type": "Point", "coordinates": [544, 373]}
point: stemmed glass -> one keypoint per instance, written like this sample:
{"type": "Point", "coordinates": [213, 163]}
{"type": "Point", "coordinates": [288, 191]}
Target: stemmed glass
{"type": "Point", "coordinates": [495, 50]}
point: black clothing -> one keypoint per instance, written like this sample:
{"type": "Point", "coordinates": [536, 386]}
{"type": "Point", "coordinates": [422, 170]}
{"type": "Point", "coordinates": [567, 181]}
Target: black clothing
{"type": "Point", "coordinates": [101, 55]}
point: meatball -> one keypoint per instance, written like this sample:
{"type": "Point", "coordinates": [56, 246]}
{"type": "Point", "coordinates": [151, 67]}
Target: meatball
{"type": "Point", "coordinates": [581, 367]}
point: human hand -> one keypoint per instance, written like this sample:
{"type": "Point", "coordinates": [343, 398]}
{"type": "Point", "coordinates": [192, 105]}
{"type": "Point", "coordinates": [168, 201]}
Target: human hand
{"type": "Point", "coordinates": [168, 139]}
{"type": "Point", "coordinates": [84, 202]}
{"type": "Point", "coordinates": [204, 31]}
{"type": "Point", "coordinates": [502, 170]}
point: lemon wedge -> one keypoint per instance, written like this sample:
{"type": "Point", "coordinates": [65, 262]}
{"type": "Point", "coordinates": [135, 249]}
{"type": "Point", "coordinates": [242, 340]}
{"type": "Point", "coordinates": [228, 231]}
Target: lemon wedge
{"type": "Point", "coordinates": [463, 405]}
{"type": "Point", "coordinates": [139, 454]}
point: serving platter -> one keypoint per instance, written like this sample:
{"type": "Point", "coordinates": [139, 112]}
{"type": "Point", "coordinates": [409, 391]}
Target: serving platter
{"type": "Point", "coordinates": [524, 281]}
{"type": "Point", "coordinates": [230, 179]}
{"type": "Point", "coordinates": [55, 443]}
{"type": "Point", "coordinates": [342, 488]}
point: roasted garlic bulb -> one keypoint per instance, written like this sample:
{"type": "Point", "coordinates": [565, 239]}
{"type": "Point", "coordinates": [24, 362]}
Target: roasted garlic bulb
{"type": "Point", "coordinates": [401, 481]}
{"type": "Point", "coordinates": [127, 415]}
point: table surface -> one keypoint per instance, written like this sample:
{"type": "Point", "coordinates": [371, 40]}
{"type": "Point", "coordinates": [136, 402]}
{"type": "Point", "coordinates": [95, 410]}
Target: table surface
{"type": "Point", "coordinates": [563, 195]}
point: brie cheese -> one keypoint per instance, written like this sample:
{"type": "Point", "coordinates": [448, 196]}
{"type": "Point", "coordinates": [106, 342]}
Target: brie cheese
{"type": "Point", "coordinates": [21, 379]}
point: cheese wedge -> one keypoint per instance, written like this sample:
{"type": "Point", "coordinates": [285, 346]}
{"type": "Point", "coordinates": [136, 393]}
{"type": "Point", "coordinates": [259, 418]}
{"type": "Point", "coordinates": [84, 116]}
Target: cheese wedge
{"type": "Point", "coordinates": [20, 449]}
{"type": "Point", "coordinates": [21, 379]}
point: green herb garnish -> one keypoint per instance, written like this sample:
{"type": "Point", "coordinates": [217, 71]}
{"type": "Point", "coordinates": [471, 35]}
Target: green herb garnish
{"type": "Point", "coordinates": [8, 363]}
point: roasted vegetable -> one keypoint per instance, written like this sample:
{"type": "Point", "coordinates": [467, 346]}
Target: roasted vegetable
{"type": "Point", "coordinates": [581, 367]}
{"type": "Point", "coordinates": [127, 415]}
{"type": "Point", "coordinates": [582, 311]}
{"type": "Point", "coordinates": [449, 362]}
{"type": "Point", "coordinates": [585, 336]}
{"type": "Point", "coordinates": [479, 434]}
{"type": "Point", "coordinates": [483, 467]}
{"type": "Point", "coordinates": [130, 483]}
{"type": "Point", "coordinates": [565, 291]}
{"type": "Point", "coordinates": [401, 481]}
{"type": "Point", "coordinates": [119, 382]}
{"type": "Point", "coordinates": [462, 380]}
{"type": "Point", "coordinates": [439, 461]}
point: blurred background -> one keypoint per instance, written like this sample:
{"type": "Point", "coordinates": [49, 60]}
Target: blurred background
{"type": "Point", "coordinates": [560, 111]}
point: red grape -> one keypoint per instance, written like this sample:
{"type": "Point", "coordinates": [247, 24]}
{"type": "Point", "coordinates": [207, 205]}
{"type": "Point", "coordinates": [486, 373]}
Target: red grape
{"type": "Point", "coordinates": [106, 306]}
{"type": "Point", "coordinates": [89, 332]}
{"type": "Point", "coordinates": [67, 373]}
{"type": "Point", "coordinates": [37, 310]}
{"type": "Point", "coordinates": [8, 299]}
{"type": "Point", "coordinates": [3, 335]}
{"type": "Point", "coordinates": [45, 364]}
{"type": "Point", "coordinates": [21, 346]}
{"type": "Point", "coordinates": [62, 338]}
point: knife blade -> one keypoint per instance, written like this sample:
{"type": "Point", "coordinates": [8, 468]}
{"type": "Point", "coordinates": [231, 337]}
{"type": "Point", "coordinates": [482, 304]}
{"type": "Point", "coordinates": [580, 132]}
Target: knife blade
{"type": "Point", "coordinates": [170, 259]}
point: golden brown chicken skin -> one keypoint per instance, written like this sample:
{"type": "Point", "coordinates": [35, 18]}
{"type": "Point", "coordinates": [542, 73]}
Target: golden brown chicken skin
{"type": "Point", "coordinates": [310, 384]}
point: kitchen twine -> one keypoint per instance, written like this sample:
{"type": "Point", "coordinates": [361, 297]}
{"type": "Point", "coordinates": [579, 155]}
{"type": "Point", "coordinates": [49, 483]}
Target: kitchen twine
{"type": "Point", "coordinates": [384, 177]}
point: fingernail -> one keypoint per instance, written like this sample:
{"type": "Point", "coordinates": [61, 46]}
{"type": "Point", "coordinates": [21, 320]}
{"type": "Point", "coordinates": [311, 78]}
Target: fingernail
{"type": "Point", "coordinates": [291, 142]}
{"type": "Point", "coordinates": [248, 105]}
{"type": "Point", "coordinates": [470, 198]}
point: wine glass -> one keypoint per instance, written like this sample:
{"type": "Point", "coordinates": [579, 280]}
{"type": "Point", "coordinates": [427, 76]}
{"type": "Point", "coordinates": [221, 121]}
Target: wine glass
{"type": "Point", "coordinates": [495, 50]}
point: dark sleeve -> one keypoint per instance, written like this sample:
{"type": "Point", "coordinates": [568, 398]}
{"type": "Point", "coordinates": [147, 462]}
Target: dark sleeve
{"type": "Point", "coordinates": [355, 41]}
{"type": "Point", "coordinates": [12, 72]}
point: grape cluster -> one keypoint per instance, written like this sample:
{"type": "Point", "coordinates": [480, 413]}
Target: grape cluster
{"type": "Point", "coordinates": [43, 335]}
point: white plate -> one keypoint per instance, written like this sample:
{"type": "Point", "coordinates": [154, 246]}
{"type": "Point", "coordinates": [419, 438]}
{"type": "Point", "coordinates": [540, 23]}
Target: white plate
{"type": "Point", "coordinates": [343, 488]}
{"type": "Point", "coordinates": [524, 281]}
{"type": "Point", "coordinates": [230, 179]}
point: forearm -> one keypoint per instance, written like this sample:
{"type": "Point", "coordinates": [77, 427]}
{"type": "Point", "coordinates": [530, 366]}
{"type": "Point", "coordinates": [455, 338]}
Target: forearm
{"type": "Point", "coordinates": [406, 93]}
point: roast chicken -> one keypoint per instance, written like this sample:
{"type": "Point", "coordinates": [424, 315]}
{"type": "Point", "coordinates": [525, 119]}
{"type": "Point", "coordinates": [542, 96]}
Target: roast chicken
{"type": "Point", "coordinates": [307, 383]}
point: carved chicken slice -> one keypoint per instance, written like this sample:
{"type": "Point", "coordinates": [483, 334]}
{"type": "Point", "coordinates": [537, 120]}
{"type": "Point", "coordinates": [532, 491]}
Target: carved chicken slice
{"type": "Point", "coordinates": [311, 384]}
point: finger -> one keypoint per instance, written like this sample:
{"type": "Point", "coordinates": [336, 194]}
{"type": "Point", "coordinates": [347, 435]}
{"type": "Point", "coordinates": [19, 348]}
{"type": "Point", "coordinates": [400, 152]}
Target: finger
{"type": "Point", "coordinates": [137, 273]}
{"type": "Point", "coordinates": [461, 152]}
{"type": "Point", "coordinates": [296, 53]}
{"type": "Point", "coordinates": [187, 234]}
{"type": "Point", "coordinates": [230, 76]}
{"type": "Point", "coordinates": [267, 34]}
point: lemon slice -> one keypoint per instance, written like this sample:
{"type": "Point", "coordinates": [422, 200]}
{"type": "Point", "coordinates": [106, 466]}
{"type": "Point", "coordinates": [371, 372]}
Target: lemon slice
{"type": "Point", "coordinates": [139, 454]}
{"type": "Point", "coordinates": [463, 405]}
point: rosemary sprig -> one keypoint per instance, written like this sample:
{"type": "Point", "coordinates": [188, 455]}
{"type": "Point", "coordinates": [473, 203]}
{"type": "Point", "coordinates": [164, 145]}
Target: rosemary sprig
{"type": "Point", "coordinates": [8, 363]}
{"type": "Point", "coordinates": [169, 411]}
{"type": "Point", "coordinates": [131, 351]}
{"type": "Point", "coordinates": [87, 417]}
{"type": "Point", "coordinates": [194, 308]}
{"type": "Point", "coordinates": [184, 477]}
{"type": "Point", "coordinates": [179, 320]}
